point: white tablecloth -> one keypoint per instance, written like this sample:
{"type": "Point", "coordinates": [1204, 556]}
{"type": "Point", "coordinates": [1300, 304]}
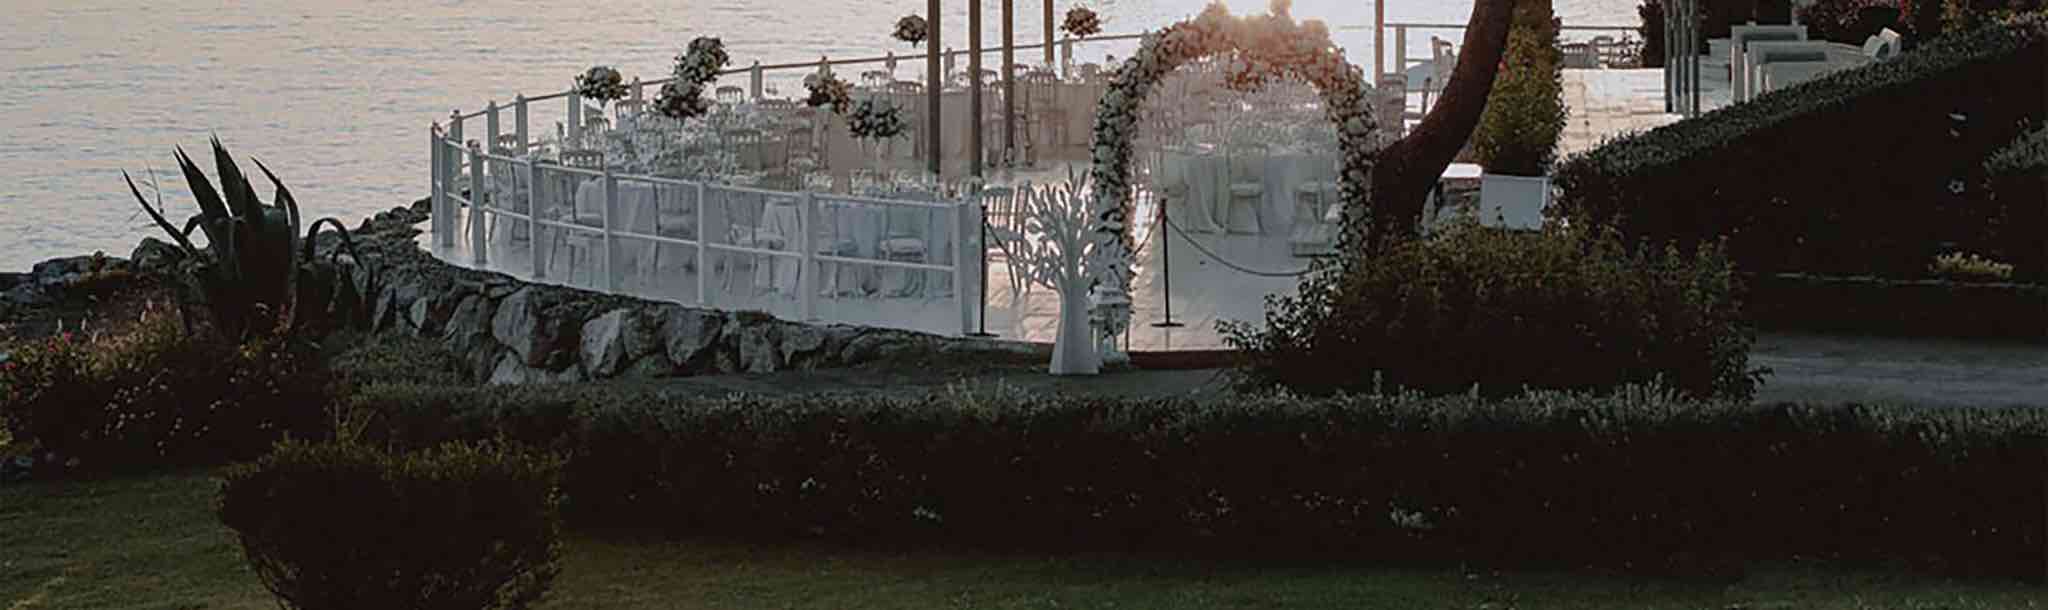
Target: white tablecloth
{"type": "Point", "coordinates": [1208, 174]}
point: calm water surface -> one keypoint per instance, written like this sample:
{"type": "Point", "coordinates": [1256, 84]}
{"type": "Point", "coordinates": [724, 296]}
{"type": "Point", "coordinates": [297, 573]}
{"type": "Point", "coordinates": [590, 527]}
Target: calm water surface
{"type": "Point", "coordinates": [336, 95]}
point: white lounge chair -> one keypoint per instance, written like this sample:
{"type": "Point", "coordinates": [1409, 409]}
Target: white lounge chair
{"type": "Point", "coordinates": [1739, 39]}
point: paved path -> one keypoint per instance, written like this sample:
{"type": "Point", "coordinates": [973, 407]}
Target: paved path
{"type": "Point", "coordinates": [1806, 368]}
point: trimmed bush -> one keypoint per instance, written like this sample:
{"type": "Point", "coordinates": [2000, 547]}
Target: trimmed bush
{"type": "Point", "coordinates": [154, 397]}
{"type": "Point", "coordinates": [1864, 171]}
{"type": "Point", "coordinates": [1497, 310]}
{"type": "Point", "coordinates": [397, 358]}
{"type": "Point", "coordinates": [341, 526]}
{"type": "Point", "coordinates": [1631, 479]}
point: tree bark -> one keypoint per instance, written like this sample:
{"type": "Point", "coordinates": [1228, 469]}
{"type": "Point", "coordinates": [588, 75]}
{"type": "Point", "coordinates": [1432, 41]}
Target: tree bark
{"type": "Point", "coordinates": [1406, 170]}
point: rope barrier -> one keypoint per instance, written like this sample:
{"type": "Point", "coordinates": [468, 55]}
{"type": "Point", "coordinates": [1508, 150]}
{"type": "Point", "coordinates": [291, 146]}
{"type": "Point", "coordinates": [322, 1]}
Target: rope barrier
{"type": "Point", "coordinates": [1212, 255]}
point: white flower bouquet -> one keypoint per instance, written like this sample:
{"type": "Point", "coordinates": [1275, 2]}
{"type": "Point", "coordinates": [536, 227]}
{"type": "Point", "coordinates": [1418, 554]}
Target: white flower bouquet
{"type": "Point", "coordinates": [912, 29]}
{"type": "Point", "coordinates": [601, 83]}
{"type": "Point", "coordinates": [683, 97]}
{"type": "Point", "coordinates": [1081, 22]}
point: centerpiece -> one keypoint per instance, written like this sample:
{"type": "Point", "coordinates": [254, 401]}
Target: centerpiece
{"type": "Point", "coordinates": [683, 97]}
{"type": "Point", "coordinates": [1081, 22]}
{"type": "Point", "coordinates": [912, 29]}
{"type": "Point", "coordinates": [601, 83]}
{"type": "Point", "coordinates": [876, 122]}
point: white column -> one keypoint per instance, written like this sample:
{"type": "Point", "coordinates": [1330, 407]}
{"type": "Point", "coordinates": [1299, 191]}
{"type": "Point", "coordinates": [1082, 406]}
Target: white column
{"type": "Point", "coordinates": [703, 251]}
{"type": "Point", "coordinates": [476, 208]}
{"type": "Point", "coordinates": [807, 270]}
{"type": "Point", "coordinates": [611, 249]}
{"type": "Point", "coordinates": [533, 240]}
{"type": "Point", "coordinates": [966, 226]}
{"type": "Point", "coordinates": [437, 186]}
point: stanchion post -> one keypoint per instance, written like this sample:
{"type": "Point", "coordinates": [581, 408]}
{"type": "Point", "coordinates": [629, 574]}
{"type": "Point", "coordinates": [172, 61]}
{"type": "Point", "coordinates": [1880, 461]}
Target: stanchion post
{"type": "Point", "coordinates": [1165, 273]}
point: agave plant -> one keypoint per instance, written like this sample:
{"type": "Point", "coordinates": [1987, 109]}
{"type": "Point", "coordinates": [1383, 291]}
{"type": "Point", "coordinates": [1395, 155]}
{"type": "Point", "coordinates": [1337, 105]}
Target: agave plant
{"type": "Point", "coordinates": [255, 271]}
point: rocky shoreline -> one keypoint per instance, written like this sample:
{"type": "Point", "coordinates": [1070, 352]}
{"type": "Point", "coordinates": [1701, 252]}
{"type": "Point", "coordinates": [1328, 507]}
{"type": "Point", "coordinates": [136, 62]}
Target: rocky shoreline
{"type": "Point", "coordinates": [509, 331]}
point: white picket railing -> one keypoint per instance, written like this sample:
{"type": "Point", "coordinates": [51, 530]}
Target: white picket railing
{"type": "Point", "coordinates": [518, 214]}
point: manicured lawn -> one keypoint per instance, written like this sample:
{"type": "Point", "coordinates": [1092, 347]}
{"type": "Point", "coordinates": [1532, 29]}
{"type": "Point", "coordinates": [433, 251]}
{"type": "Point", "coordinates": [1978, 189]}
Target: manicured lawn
{"type": "Point", "coordinates": [152, 542]}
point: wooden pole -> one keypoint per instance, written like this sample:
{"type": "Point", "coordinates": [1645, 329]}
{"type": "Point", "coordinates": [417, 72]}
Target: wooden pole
{"type": "Point", "coordinates": [935, 84]}
{"type": "Point", "coordinates": [1379, 39]}
{"type": "Point", "coordinates": [1048, 33]}
{"type": "Point", "coordinates": [1009, 80]}
{"type": "Point", "coordinates": [974, 158]}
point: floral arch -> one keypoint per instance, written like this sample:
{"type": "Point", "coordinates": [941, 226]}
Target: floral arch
{"type": "Point", "coordinates": [1269, 47]}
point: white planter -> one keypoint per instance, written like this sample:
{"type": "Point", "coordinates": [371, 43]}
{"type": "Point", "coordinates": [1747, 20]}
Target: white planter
{"type": "Point", "coordinates": [1513, 202]}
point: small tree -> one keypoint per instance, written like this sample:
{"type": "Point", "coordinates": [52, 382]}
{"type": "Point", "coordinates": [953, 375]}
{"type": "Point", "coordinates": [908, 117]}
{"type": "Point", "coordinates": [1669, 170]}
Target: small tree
{"type": "Point", "coordinates": [1517, 135]}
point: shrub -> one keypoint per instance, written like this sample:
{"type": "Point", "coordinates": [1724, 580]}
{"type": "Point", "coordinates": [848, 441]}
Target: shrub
{"type": "Point", "coordinates": [397, 358]}
{"type": "Point", "coordinates": [1844, 21]}
{"type": "Point", "coordinates": [1854, 173]}
{"type": "Point", "coordinates": [1545, 478]}
{"type": "Point", "coordinates": [155, 397]}
{"type": "Point", "coordinates": [1475, 306]}
{"type": "Point", "coordinates": [341, 526]}
{"type": "Point", "coordinates": [1517, 134]}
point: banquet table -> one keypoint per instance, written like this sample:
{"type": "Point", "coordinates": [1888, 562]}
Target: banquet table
{"type": "Point", "coordinates": [637, 211]}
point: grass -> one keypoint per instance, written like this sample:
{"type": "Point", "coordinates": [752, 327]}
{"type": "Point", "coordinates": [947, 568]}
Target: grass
{"type": "Point", "coordinates": [152, 542]}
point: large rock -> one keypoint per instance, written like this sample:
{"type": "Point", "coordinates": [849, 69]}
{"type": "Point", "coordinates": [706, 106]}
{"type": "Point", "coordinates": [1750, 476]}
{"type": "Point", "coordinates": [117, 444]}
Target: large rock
{"type": "Point", "coordinates": [757, 348]}
{"type": "Point", "coordinates": [511, 370]}
{"type": "Point", "coordinates": [604, 343]}
{"type": "Point", "coordinates": [154, 255]}
{"type": "Point", "coordinates": [540, 340]}
{"type": "Point", "coordinates": [689, 334]}
{"type": "Point", "coordinates": [878, 345]}
{"type": "Point", "coordinates": [800, 342]}
{"type": "Point", "coordinates": [9, 280]}
{"type": "Point", "coordinates": [468, 335]}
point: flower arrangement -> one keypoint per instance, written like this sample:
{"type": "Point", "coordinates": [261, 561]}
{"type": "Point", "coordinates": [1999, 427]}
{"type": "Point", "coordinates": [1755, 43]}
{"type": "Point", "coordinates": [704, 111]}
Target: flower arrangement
{"type": "Point", "coordinates": [601, 83]}
{"type": "Point", "coordinates": [683, 98]}
{"type": "Point", "coordinates": [1960, 266]}
{"type": "Point", "coordinates": [1081, 22]}
{"type": "Point", "coordinates": [876, 120]}
{"type": "Point", "coordinates": [912, 29]}
{"type": "Point", "coordinates": [1270, 47]}
{"type": "Point", "coordinates": [830, 91]}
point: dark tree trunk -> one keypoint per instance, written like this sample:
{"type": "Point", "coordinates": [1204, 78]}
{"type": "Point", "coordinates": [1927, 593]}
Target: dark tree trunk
{"type": "Point", "coordinates": [1407, 169]}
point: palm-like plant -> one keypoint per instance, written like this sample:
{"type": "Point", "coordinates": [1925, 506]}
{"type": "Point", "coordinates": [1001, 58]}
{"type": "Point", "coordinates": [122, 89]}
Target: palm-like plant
{"type": "Point", "coordinates": [255, 270]}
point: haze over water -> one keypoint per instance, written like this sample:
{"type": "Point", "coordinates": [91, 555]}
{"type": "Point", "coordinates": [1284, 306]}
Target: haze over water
{"type": "Point", "coordinates": [336, 96]}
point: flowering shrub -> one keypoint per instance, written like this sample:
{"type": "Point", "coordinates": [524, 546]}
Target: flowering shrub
{"type": "Point", "coordinates": [830, 91]}
{"type": "Point", "coordinates": [876, 120]}
{"type": "Point", "coordinates": [155, 396]}
{"type": "Point", "coordinates": [912, 29]}
{"type": "Point", "coordinates": [683, 97]}
{"type": "Point", "coordinates": [456, 527]}
{"type": "Point", "coordinates": [1957, 265]}
{"type": "Point", "coordinates": [601, 83]}
{"type": "Point", "coordinates": [1270, 47]}
{"type": "Point", "coordinates": [1081, 22]}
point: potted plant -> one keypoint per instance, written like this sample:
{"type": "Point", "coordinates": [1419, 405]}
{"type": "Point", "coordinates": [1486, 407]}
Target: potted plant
{"type": "Point", "coordinates": [1516, 141]}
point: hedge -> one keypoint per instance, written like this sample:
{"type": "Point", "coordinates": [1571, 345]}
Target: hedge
{"type": "Point", "coordinates": [1632, 479]}
{"type": "Point", "coordinates": [1914, 308]}
{"type": "Point", "coordinates": [1853, 173]}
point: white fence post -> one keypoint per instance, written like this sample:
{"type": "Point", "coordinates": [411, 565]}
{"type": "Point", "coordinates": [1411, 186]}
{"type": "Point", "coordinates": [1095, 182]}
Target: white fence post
{"type": "Point", "coordinates": [575, 135]}
{"type": "Point", "coordinates": [824, 66]}
{"type": "Point", "coordinates": [754, 77]}
{"type": "Point", "coordinates": [703, 251]}
{"type": "Point", "coordinates": [476, 205]}
{"type": "Point", "coordinates": [962, 217]}
{"type": "Point", "coordinates": [639, 90]}
{"type": "Point", "coordinates": [533, 218]}
{"type": "Point", "coordinates": [437, 191]}
{"type": "Point", "coordinates": [806, 272]}
{"type": "Point", "coordinates": [1067, 57]}
{"type": "Point", "coordinates": [454, 158]}
{"type": "Point", "coordinates": [519, 124]}
{"type": "Point", "coordinates": [611, 250]}
{"type": "Point", "coordinates": [491, 127]}
{"type": "Point", "coordinates": [1401, 53]}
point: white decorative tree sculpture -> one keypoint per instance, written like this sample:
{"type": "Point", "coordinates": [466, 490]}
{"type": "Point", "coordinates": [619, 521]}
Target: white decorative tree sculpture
{"type": "Point", "coordinates": [1056, 253]}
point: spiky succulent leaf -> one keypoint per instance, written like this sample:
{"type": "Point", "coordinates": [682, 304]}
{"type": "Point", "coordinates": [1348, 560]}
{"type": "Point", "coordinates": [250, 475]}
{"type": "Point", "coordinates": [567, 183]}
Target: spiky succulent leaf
{"type": "Point", "coordinates": [241, 198]}
{"type": "Point", "coordinates": [157, 216]}
{"type": "Point", "coordinates": [211, 210]}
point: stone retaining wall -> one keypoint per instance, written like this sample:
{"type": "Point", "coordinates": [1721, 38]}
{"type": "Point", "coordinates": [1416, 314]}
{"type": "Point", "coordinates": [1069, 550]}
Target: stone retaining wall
{"type": "Point", "coordinates": [509, 331]}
